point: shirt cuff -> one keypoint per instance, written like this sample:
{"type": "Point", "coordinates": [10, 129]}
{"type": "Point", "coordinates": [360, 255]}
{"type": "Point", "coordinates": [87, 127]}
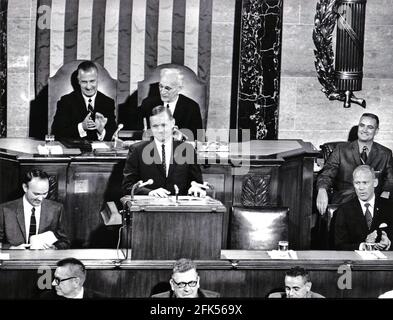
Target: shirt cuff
{"type": "Point", "coordinates": [82, 133]}
{"type": "Point", "coordinates": [102, 135]}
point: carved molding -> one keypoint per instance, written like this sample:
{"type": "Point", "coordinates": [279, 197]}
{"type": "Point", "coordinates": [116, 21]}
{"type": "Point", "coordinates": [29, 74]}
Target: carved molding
{"type": "Point", "coordinates": [255, 190]}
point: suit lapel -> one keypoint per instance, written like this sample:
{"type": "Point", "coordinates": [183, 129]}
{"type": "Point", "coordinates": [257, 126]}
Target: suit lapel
{"type": "Point", "coordinates": [178, 108]}
{"type": "Point", "coordinates": [376, 214]}
{"type": "Point", "coordinates": [157, 160]}
{"type": "Point", "coordinates": [82, 105]}
{"type": "Point", "coordinates": [172, 162]}
{"type": "Point", "coordinates": [44, 216]}
{"type": "Point", "coordinates": [355, 153]}
{"type": "Point", "coordinates": [372, 154]}
{"type": "Point", "coordinates": [359, 218]}
{"type": "Point", "coordinates": [20, 217]}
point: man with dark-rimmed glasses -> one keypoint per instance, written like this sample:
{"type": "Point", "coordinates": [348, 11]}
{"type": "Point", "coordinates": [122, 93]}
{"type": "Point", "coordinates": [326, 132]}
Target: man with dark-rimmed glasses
{"type": "Point", "coordinates": [68, 281]}
{"type": "Point", "coordinates": [185, 282]}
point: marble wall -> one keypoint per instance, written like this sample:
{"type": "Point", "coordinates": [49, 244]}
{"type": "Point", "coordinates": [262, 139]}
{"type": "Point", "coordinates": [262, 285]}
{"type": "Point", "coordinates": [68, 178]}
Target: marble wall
{"type": "Point", "coordinates": [305, 112]}
{"type": "Point", "coordinates": [3, 67]}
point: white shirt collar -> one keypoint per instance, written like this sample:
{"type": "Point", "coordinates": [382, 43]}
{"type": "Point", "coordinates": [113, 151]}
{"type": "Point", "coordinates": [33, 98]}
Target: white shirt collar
{"type": "Point", "coordinates": [371, 207]}
{"type": "Point", "coordinates": [172, 105]}
{"type": "Point", "coordinates": [168, 151]}
{"type": "Point", "coordinates": [93, 100]}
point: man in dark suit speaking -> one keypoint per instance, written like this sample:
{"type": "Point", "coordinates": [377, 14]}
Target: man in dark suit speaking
{"type": "Point", "coordinates": [337, 172]}
{"type": "Point", "coordinates": [166, 161]}
{"type": "Point", "coordinates": [366, 218]}
{"type": "Point", "coordinates": [32, 221]}
{"type": "Point", "coordinates": [186, 111]}
{"type": "Point", "coordinates": [86, 113]}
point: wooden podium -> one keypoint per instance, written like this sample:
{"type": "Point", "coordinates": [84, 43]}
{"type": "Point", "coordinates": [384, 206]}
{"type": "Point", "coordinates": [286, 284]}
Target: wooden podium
{"type": "Point", "coordinates": [166, 229]}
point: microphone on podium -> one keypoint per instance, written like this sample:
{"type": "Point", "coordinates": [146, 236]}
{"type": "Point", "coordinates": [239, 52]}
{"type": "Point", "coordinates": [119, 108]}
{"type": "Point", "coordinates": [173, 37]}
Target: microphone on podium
{"type": "Point", "coordinates": [138, 185]}
{"type": "Point", "coordinates": [116, 133]}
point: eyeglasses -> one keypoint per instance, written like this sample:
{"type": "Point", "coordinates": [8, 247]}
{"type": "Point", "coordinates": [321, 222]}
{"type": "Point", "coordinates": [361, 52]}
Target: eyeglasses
{"type": "Point", "coordinates": [162, 87]}
{"type": "Point", "coordinates": [58, 280]}
{"type": "Point", "coordinates": [184, 284]}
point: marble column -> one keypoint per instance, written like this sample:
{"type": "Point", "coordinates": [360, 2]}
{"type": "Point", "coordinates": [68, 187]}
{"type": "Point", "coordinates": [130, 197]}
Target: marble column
{"type": "Point", "coordinates": [21, 19]}
{"type": "Point", "coordinates": [259, 70]}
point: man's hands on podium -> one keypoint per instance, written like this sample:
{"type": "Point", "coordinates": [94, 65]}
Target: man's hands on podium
{"type": "Point", "coordinates": [322, 201]}
{"type": "Point", "coordinates": [159, 193]}
{"type": "Point", "coordinates": [198, 190]}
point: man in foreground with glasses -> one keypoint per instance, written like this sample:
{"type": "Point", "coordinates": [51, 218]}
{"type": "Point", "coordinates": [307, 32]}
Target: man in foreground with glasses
{"type": "Point", "coordinates": [185, 282]}
{"type": "Point", "coordinates": [297, 285]}
{"type": "Point", "coordinates": [186, 111]}
{"type": "Point", "coordinates": [69, 277]}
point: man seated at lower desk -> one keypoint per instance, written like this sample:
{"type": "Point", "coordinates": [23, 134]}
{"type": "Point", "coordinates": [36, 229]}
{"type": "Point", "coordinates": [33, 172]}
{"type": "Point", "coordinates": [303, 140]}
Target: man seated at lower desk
{"type": "Point", "coordinates": [164, 160]}
{"type": "Point", "coordinates": [33, 221]}
{"type": "Point", "coordinates": [297, 285]}
{"type": "Point", "coordinates": [69, 278]}
{"type": "Point", "coordinates": [185, 282]}
{"type": "Point", "coordinates": [366, 218]}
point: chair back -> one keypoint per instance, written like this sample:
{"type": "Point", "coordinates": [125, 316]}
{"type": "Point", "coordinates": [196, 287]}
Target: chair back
{"type": "Point", "coordinates": [258, 228]}
{"type": "Point", "coordinates": [65, 81]}
{"type": "Point", "coordinates": [193, 88]}
{"type": "Point", "coordinates": [328, 147]}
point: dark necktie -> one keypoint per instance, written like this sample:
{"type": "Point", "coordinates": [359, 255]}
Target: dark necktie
{"type": "Point", "coordinates": [369, 217]}
{"type": "Point", "coordinates": [167, 105]}
{"type": "Point", "coordinates": [163, 158]}
{"type": "Point", "coordinates": [363, 155]}
{"type": "Point", "coordinates": [90, 108]}
{"type": "Point", "coordinates": [33, 223]}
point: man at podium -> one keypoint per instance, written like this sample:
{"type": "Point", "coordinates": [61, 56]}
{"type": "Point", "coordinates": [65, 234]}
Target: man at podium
{"type": "Point", "coordinates": [168, 166]}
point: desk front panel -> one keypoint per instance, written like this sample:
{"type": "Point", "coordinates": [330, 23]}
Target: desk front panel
{"type": "Point", "coordinates": [245, 274]}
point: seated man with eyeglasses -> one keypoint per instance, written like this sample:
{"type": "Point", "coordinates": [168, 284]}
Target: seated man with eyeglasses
{"type": "Point", "coordinates": [185, 282]}
{"type": "Point", "coordinates": [68, 282]}
{"type": "Point", "coordinates": [186, 111]}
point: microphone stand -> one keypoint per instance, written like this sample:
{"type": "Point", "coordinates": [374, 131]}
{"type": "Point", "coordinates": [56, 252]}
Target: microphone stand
{"type": "Point", "coordinates": [127, 218]}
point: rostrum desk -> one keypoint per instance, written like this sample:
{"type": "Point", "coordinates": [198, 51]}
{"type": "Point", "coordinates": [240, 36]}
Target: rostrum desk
{"type": "Point", "coordinates": [278, 173]}
{"type": "Point", "coordinates": [236, 274]}
{"type": "Point", "coordinates": [170, 228]}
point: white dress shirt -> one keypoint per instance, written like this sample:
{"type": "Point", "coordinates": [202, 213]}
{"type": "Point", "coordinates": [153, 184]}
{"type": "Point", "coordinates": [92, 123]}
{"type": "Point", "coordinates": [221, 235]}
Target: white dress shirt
{"type": "Point", "coordinates": [27, 214]}
{"type": "Point", "coordinates": [82, 132]}
{"type": "Point", "coordinates": [172, 105]}
{"type": "Point", "coordinates": [370, 207]}
{"type": "Point", "coordinates": [168, 152]}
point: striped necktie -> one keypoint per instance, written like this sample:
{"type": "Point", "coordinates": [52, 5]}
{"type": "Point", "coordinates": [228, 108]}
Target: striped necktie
{"type": "Point", "coordinates": [363, 155]}
{"type": "Point", "coordinates": [369, 217]}
{"type": "Point", "coordinates": [33, 224]}
{"type": "Point", "coordinates": [91, 109]}
{"type": "Point", "coordinates": [163, 158]}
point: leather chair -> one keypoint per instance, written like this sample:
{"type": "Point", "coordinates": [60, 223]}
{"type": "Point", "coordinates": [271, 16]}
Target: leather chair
{"type": "Point", "coordinates": [258, 228]}
{"type": "Point", "coordinates": [65, 81]}
{"type": "Point", "coordinates": [193, 88]}
{"type": "Point", "coordinates": [328, 147]}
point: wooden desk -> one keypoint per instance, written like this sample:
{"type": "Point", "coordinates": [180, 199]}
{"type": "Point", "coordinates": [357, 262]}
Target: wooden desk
{"type": "Point", "coordinates": [264, 173]}
{"type": "Point", "coordinates": [236, 274]}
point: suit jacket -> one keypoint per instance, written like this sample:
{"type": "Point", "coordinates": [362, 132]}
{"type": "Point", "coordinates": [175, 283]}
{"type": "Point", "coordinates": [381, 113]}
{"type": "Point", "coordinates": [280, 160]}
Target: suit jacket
{"type": "Point", "coordinates": [202, 293]}
{"type": "Point", "coordinates": [87, 294]}
{"type": "Point", "coordinates": [187, 113]}
{"type": "Point", "coordinates": [350, 226]}
{"type": "Point", "coordinates": [143, 163]}
{"type": "Point", "coordinates": [12, 223]}
{"type": "Point", "coordinates": [71, 110]}
{"type": "Point", "coordinates": [337, 172]}
{"type": "Point", "coordinates": [283, 295]}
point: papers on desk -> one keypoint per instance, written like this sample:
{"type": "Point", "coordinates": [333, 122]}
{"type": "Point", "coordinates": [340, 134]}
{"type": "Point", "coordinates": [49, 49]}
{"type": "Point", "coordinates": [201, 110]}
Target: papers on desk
{"type": "Point", "coordinates": [371, 255]}
{"type": "Point", "coordinates": [4, 256]}
{"type": "Point", "coordinates": [276, 254]}
{"type": "Point", "coordinates": [99, 145]}
{"type": "Point", "coordinates": [39, 240]}
{"type": "Point", "coordinates": [46, 150]}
